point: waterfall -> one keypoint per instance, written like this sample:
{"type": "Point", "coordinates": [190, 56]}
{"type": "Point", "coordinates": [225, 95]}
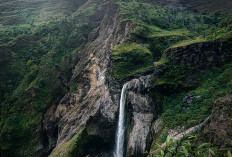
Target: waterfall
{"type": "Point", "coordinates": [121, 124]}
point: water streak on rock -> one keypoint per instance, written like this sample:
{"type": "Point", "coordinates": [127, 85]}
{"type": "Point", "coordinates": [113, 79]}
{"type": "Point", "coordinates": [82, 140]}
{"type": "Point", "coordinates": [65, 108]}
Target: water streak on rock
{"type": "Point", "coordinates": [121, 125]}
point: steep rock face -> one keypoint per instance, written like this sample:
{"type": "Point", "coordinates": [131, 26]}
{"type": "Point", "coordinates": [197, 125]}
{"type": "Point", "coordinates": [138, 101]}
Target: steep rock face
{"type": "Point", "coordinates": [201, 54]}
{"type": "Point", "coordinates": [219, 129]}
{"type": "Point", "coordinates": [142, 110]}
{"type": "Point", "coordinates": [91, 107]}
{"type": "Point", "coordinates": [189, 63]}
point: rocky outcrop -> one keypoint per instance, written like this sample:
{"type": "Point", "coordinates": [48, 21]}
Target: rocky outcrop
{"type": "Point", "coordinates": [189, 100]}
{"type": "Point", "coordinates": [142, 110]}
{"type": "Point", "coordinates": [200, 55]}
{"type": "Point", "coordinates": [219, 129]}
{"type": "Point", "coordinates": [181, 67]}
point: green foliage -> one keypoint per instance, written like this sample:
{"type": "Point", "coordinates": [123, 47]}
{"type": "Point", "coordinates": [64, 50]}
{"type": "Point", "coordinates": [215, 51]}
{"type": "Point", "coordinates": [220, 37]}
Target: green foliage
{"type": "Point", "coordinates": [188, 146]}
{"type": "Point", "coordinates": [35, 11]}
{"type": "Point", "coordinates": [189, 42]}
{"type": "Point", "coordinates": [83, 94]}
{"type": "Point", "coordinates": [37, 60]}
{"type": "Point", "coordinates": [229, 154]}
{"type": "Point", "coordinates": [130, 58]}
{"type": "Point", "coordinates": [161, 27]}
{"type": "Point", "coordinates": [213, 85]}
{"type": "Point", "coordinates": [164, 137]}
{"type": "Point", "coordinates": [74, 87]}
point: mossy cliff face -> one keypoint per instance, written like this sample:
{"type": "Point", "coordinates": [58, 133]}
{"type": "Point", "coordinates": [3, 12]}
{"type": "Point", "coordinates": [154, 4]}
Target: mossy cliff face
{"type": "Point", "coordinates": [184, 66]}
{"type": "Point", "coordinates": [200, 55]}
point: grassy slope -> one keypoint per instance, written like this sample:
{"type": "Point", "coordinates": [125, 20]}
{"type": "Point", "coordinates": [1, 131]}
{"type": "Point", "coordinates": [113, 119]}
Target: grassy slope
{"type": "Point", "coordinates": [130, 58]}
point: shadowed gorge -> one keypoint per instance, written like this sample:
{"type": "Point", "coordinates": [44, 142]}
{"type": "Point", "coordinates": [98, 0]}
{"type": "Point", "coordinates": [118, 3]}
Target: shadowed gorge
{"type": "Point", "coordinates": [115, 78]}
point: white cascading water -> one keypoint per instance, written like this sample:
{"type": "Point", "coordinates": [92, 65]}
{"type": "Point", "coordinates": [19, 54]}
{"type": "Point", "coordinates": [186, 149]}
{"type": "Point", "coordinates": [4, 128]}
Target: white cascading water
{"type": "Point", "coordinates": [121, 124]}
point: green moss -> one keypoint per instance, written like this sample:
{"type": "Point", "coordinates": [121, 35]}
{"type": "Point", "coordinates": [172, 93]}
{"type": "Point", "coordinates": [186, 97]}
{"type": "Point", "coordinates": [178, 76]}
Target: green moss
{"type": "Point", "coordinates": [130, 58]}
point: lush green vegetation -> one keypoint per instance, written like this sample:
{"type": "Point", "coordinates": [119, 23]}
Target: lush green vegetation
{"type": "Point", "coordinates": [168, 26]}
{"type": "Point", "coordinates": [205, 89]}
{"type": "Point", "coordinates": [130, 58]}
{"type": "Point", "coordinates": [36, 66]}
{"type": "Point", "coordinates": [159, 27]}
{"type": "Point", "coordinates": [215, 84]}
{"type": "Point", "coordinates": [188, 146]}
{"type": "Point", "coordinates": [38, 70]}
{"type": "Point", "coordinates": [37, 59]}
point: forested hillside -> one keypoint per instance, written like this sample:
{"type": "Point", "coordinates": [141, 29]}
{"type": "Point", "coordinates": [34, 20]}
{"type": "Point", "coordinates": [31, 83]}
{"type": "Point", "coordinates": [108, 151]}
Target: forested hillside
{"type": "Point", "coordinates": [63, 64]}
